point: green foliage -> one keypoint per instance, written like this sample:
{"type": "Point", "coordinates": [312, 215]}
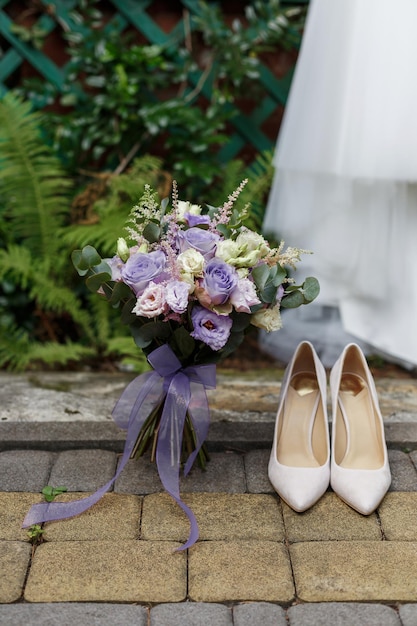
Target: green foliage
{"type": "Point", "coordinates": [254, 195]}
{"type": "Point", "coordinates": [111, 208]}
{"type": "Point", "coordinates": [45, 316]}
{"type": "Point", "coordinates": [35, 533]}
{"type": "Point", "coordinates": [50, 493]}
{"type": "Point", "coordinates": [32, 180]}
{"type": "Point", "coordinates": [176, 99]}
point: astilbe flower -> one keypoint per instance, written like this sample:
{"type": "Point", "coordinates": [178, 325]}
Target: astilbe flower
{"type": "Point", "coordinates": [224, 213]}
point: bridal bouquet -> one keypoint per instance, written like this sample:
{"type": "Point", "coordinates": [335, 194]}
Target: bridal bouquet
{"type": "Point", "coordinates": [190, 281]}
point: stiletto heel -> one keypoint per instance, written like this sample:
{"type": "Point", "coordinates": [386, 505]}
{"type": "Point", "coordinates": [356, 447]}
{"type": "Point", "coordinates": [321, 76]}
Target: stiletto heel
{"type": "Point", "coordinates": [299, 465]}
{"type": "Point", "coordinates": [360, 473]}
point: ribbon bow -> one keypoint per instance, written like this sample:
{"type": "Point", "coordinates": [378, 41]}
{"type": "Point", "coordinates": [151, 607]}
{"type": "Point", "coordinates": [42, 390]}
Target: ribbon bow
{"type": "Point", "coordinates": [181, 390]}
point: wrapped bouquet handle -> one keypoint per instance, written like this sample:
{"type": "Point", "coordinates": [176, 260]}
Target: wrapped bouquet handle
{"type": "Point", "coordinates": [182, 391]}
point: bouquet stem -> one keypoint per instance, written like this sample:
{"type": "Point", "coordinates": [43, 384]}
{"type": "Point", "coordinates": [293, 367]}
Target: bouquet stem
{"type": "Point", "coordinates": [148, 437]}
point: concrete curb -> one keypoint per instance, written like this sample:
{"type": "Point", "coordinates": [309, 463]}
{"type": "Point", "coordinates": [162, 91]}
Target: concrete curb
{"type": "Point", "coordinates": [239, 436]}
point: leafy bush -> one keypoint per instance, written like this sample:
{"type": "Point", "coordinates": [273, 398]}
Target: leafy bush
{"type": "Point", "coordinates": [121, 99]}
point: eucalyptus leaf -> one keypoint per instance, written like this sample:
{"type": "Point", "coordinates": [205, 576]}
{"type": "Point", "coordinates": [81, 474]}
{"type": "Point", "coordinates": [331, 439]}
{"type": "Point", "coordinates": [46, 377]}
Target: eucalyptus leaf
{"type": "Point", "coordinates": [127, 317]}
{"type": "Point", "coordinates": [86, 258]}
{"type": "Point", "coordinates": [240, 321]}
{"type": "Point", "coordinates": [223, 230]}
{"type": "Point", "coordinates": [95, 281]}
{"type": "Point", "coordinates": [293, 300]}
{"type": "Point", "coordinates": [144, 335]}
{"type": "Point", "coordinates": [152, 232]}
{"type": "Point", "coordinates": [121, 291]}
{"type": "Point", "coordinates": [279, 276]}
{"type": "Point", "coordinates": [260, 275]}
{"type": "Point", "coordinates": [76, 258]}
{"type": "Point", "coordinates": [269, 293]}
{"type": "Point", "coordinates": [182, 343]}
{"type": "Point", "coordinates": [311, 288]}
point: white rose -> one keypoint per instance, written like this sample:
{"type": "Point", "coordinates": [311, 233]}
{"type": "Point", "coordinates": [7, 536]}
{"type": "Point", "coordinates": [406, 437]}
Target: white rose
{"type": "Point", "coordinates": [236, 254]}
{"type": "Point", "coordinates": [189, 279]}
{"type": "Point", "coordinates": [184, 207]}
{"type": "Point", "coordinates": [252, 241]}
{"type": "Point", "coordinates": [191, 261]}
{"type": "Point", "coordinates": [267, 319]}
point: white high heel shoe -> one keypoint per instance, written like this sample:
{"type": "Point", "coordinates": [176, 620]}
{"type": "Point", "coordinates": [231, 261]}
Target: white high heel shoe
{"type": "Point", "coordinates": [299, 465]}
{"type": "Point", "coordinates": [360, 473]}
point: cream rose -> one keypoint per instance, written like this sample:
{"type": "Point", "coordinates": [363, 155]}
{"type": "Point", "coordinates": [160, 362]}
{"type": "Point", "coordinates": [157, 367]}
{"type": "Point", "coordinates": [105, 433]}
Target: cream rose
{"type": "Point", "coordinates": [191, 261]}
{"type": "Point", "coordinates": [251, 241]}
{"type": "Point", "coordinates": [267, 319]}
{"type": "Point", "coordinates": [236, 254]}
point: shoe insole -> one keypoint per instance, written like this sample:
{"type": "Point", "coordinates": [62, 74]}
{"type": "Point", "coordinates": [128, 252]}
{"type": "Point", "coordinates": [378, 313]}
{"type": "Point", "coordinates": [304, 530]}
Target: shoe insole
{"type": "Point", "coordinates": [363, 445]}
{"type": "Point", "coordinates": [300, 407]}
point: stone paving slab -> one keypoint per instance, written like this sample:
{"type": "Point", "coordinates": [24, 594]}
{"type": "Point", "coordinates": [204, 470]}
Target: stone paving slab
{"type": "Point", "coordinates": [403, 471]}
{"type": "Point", "coordinates": [224, 473]}
{"type": "Point", "coordinates": [114, 517]}
{"type": "Point", "coordinates": [262, 613]}
{"type": "Point", "coordinates": [13, 508]}
{"type": "Point", "coordinates": [73, 614]}
{"type": "Point", "coordinates": [25, 470]}
{"type": "Point", "coordinates": [107, 571]}
{"type": "Point", "coordinates": [398, 514]}
{"type": "Point", "coordinates": [221, 571]}
{"type": "Point", "coordinates": [14, 561]}
{"type": "Point", "coordinates": [355, 571]}
{"type": "Point", "coordinates": [83, 470]}
{"type": "Point", "coordinates": [330, 519]}
{"type": "Point", "coordinates": [219, 516]}
{"type": "Point", "coordinates": [408, 614]}
{"type": "Point", "coordinates": [256, 470]}
{"type": "Point", "coordinates": [191, 614]}
{"type": "Point", "coordinates": [342, 614]}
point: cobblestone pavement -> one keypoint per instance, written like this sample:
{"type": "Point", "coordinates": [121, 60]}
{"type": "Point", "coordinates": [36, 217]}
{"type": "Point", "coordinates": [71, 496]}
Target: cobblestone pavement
{"type": "Point", "coordinates": [256, 562]}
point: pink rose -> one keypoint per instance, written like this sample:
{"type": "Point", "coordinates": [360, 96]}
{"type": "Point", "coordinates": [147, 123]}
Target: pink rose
{"type": "Point", "coordinates": [152, 301]}
{"type": "Point", "coordinates": [244, 296]}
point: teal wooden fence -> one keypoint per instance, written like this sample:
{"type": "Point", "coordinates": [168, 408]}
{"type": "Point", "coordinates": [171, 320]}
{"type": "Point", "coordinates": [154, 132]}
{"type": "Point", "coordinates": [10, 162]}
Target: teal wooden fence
{"type": "Point", "coordinates": [247, 128]}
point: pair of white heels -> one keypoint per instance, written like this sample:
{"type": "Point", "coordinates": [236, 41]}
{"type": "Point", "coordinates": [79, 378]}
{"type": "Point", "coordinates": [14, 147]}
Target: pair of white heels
{"type": "Point", "coordinates": [301, 465]}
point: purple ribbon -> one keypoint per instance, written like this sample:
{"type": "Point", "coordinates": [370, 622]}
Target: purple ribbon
{"type": "Point", "coordinates": [182, 390]}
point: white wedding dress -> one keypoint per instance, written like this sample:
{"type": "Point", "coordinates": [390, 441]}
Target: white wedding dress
{"type": "Point", "coordinates": [345, 185]}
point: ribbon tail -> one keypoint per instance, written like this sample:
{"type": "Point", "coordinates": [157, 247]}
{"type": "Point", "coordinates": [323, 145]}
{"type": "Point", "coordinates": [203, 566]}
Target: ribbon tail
{"type": "Point", "coordinates": [52, 511]}
{"type": "Point", "coordinates": [168, 451]}
{"type": "Point", "coordinates": [199, 413]}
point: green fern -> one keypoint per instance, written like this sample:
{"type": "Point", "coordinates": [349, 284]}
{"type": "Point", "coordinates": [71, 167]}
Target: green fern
{"type": "Point", "coordinates": [113, 208]}
{"type": "Point", "coordinates": [31, 178]}
{"type": "Point", "coordinates": [130, 356]}
{"type": "Point", "coordinates": [254, 194]}
{"type": "Point", "coordinates": [19, 352]}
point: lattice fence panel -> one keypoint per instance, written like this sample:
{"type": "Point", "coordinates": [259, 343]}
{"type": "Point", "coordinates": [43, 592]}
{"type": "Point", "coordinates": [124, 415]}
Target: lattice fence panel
{"type": "Point", "coordinates": [256, 128]}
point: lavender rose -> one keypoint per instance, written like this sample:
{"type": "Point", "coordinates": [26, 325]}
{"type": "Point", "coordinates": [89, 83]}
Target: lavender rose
{"type": "Point", "coordinates": [141, 268]}
{"type": "Point", "coordinates": [195, 220]}
{"type": "Point", "coordinates": [176, 295]}
{"type": "Point", "coordinates": [210, 328]}
{"type": "Point", "coordinates": [202, 240]}
{"type": "Point", "coordinates": [220, 279]}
